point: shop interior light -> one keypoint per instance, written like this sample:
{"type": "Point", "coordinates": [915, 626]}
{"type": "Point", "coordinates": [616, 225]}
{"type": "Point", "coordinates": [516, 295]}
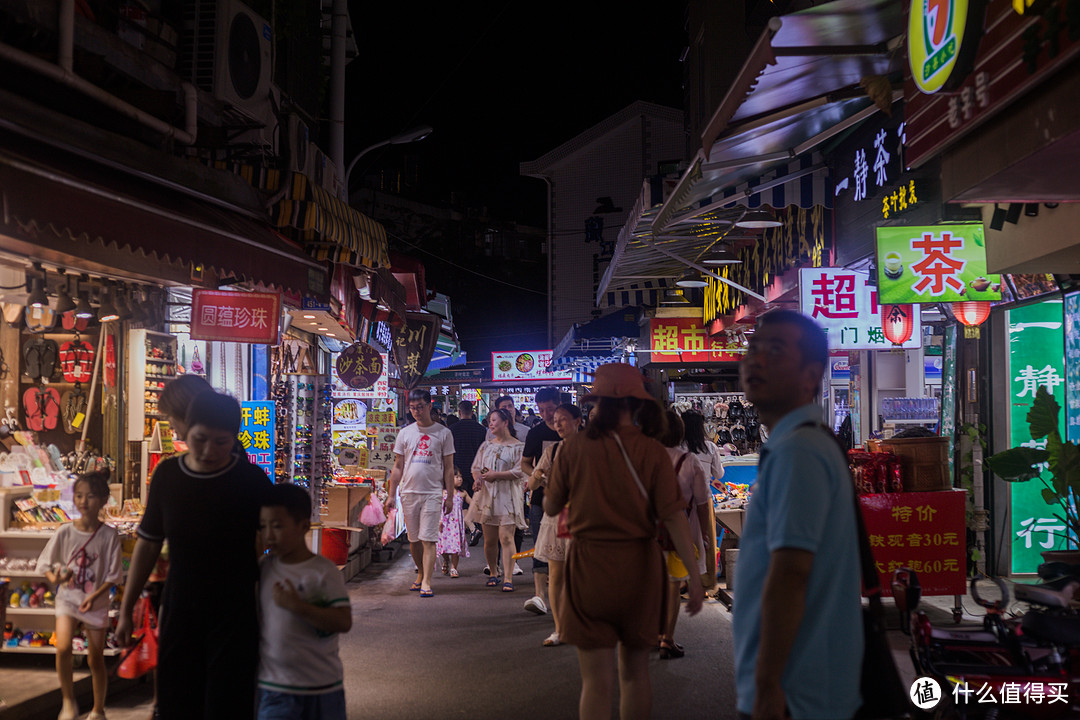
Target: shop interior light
{"type": "Point", "coordinates": [691, 279]}
{"type": "Point", "coordinates": [675, 296]}
{"type": "Point", "coordinates": [64, 302]}
{"type": "Point", "coordinates": [757, 219]}
{"type": "Point", "coordinates": [106, 310]}
{"type": "Point", "coordinates": [897, 322]}
{"type": "Point", "coordinates": [721, 254]}
{"type": "Point", "coordinates": [82, 307]}
{"type": "Point", "coordinates": [997, 220]}
{"type": "Point", "coordinates": [37, 297]}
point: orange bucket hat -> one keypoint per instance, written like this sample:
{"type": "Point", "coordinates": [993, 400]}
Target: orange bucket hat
{"type": "Point", "coordinates": [618, 380]}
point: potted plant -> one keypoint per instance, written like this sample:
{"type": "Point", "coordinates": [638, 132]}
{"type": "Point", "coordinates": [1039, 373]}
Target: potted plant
{"type": "Point", "coordinates": [1057, 468]}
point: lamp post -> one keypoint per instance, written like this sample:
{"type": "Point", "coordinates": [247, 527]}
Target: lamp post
{"type": "Point", "coordinates": [409, 136]}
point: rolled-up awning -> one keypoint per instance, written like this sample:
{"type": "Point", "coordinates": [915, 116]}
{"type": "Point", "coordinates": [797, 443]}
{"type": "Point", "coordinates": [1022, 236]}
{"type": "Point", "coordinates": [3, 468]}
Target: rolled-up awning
{"type": "Point", "coordinates": [327, 227]}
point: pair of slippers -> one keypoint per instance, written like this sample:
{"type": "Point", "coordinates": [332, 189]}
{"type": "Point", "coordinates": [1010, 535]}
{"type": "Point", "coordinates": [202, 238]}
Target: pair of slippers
{"type": "Point", "coordinates": [39, 358]}
{"type": "Point", "coordinates": [76, 361]}
{"type": "Point", "coordinates": [41, 404]}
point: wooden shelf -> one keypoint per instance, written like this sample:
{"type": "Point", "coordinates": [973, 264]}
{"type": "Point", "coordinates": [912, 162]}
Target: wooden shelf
{"type": "Point", "coordinates": [21, 574]}
{"type": "Point", "coordinates": [50, 650]}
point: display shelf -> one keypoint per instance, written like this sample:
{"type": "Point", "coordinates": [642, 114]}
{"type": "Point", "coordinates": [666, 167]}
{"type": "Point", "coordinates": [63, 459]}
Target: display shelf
{"type": "Point", "coordinates": [912, 421]}
{"type": "Point", "coordinates": [141, 367]}
{"type": "Point", "coordinates": [50, 650]}
{"type": "Point", "coordinates": [22, 574]}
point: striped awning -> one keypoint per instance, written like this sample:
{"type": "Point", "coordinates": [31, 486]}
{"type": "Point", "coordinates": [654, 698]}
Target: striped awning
{"type": "Point", "coordinates": [327, 227]}
{"type": "Point", "coordinates": [648, 293]}
{"type": "Point", "coordinates": [585, 364]}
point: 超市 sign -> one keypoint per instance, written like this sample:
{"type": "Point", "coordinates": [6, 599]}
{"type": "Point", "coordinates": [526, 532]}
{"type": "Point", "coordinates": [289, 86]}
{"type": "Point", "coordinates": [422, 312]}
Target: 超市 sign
{"type": "Point", "coordinates": [936, 263]}
{"type": "Point", "coordinates": [845, 305]}
{"type": "Point", "coordinates": [935, 34]}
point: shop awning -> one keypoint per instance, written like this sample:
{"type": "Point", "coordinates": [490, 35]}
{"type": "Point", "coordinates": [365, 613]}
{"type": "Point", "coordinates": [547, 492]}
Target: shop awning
{"type": "Point", "coordinates": [76, 214]}
{"type": "Point", "coordinates": [327, 227]}
{"type": "Point", "coordinates": [589, 345]}
{"type": "Point", "coordinates": [802, 84]}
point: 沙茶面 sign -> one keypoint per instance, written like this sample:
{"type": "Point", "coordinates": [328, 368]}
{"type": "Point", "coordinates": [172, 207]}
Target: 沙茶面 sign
{"type": "Point", "coordinates": [523, 365]}
{"type": "Point", "coordinates": [377, 391]}
{"type": "Point", "coordinates": [359, 366]}
{"type": "Point", "coordinates": [257, 433]}
{"type": "Point", "coordinates": [935, 263]}
{"type": "Point", "coordinates": [846, 307]}
{"type": "Point", "coordinates": [685, 340]}
{"type": "Point", "coordinates": [248, 317]}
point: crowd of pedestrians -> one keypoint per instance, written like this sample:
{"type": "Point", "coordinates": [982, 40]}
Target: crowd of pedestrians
{"type": "Point", "coordinates": [598, 494]}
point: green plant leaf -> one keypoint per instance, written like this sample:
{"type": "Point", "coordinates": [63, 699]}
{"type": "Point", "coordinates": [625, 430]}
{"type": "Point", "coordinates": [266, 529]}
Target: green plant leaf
{"type": "Point", "coordinates": [1043, 415]}
{"type": "Point", "coordinates": [1049, 496]}
{"type": "Point", "coordinates": [1018, 464]}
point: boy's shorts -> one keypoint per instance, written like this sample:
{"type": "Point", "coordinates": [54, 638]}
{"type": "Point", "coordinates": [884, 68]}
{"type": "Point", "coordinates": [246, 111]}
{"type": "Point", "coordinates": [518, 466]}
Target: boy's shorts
{"type": "Point", "coordinates": [422, 513]}
{"type": "Point", "coordinates": [275, 705]}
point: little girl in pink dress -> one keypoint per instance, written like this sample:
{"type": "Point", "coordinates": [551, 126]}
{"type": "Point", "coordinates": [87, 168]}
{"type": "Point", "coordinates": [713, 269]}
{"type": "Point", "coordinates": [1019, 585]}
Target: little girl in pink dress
{"type": "Point", "coordinates": [451, 542]}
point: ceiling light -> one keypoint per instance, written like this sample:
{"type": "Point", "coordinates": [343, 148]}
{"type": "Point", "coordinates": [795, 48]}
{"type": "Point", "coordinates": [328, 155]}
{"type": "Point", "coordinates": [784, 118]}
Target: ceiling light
{"type": "Point", "coordinates": [691, 279]}
{"type": "Point", "coordinates": [37, 297]}
{"type": "Point", "coordinates": [106, 311]}
{"type": "Point", "coordinates": [757, 219]}
{"type": "Point", "coordinates": [675, 296]}
{"type": "Point", "coordinates": [64, 303]}
{"type": "Point", "coordinates": [721, 254]}
{"type": "Point", "coordinates": [82, 308]}
{"type": "Point", "coordinates": [309, 317]}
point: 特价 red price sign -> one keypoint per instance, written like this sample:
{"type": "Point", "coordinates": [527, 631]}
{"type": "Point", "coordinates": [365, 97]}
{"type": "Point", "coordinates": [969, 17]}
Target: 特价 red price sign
{"type": "Point", "coordinates": [249, 317]}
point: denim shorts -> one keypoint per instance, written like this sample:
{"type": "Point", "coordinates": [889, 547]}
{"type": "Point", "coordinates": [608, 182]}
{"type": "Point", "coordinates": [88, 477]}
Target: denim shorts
{"type": "Point", "coordinates": [536, 514]}
{"type": "Point", "coordinates": [275, 705]}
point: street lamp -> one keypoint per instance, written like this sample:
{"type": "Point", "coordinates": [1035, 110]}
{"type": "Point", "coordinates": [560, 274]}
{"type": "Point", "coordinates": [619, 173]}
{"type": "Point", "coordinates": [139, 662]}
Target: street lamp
{"type": "Point", "coordinates": [409, 136]}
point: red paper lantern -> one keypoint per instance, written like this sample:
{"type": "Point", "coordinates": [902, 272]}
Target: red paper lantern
{"type": "Point", "coordinates": [971, 312]}
{"type": "Point", "coordinates": [897, 321]}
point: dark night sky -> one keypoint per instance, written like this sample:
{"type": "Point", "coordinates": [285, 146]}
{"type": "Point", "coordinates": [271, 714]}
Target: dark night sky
{"type": "Point", "coordinates": [501, 82]}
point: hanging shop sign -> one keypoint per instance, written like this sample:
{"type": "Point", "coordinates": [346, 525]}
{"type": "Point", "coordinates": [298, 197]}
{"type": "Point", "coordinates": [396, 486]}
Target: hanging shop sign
{"type": "Point", "coordinates": [1036, 343]}
{"type": "Point", "coordinates": [845, 304]}
{"type": "Point", "coordinates": [685, 340]}
{"type": "Point", "coordinates": [235, 316]}
{"type": "Point", "coordinates": [1072, 366]}
{"type": "Point", "coordinates": [1018, 52]}
{"type": "Point", "coordinates": [799, 242]}
{"type": "Point", "coordinates": [939, 39]}
{"type": "Point", "coordinates": [414, 344]}
{"type": "Point", "coordinates": [360, 366]}
{"type": "Point", "coordinates": [257, 433]}
{"type": "Point", "coordinates": [937, 263]}
{"type": "Point", "coordinates": [518, 365]}
{"type": "Point", "coordinates": [379, 390]}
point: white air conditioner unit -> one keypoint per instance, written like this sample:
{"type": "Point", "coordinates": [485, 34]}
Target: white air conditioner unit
{"type": "Point", "coordinates": [226, 50]}
{"type": "Point", "coordinates": [322, 171]}
{"type": "Point", "coordinates": [299, 145]}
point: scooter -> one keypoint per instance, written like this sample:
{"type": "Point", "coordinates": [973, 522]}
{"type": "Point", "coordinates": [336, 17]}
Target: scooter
{"type": "Point", "coordinates": [1008, 667]}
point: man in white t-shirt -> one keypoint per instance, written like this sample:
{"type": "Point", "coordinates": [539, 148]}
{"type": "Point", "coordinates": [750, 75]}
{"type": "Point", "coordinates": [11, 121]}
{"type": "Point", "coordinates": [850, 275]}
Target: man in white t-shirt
{"type": "Point", "coordinates": [424, 467]}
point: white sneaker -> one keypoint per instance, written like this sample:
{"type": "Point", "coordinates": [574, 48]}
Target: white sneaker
{"type": "Point", "coordinates": [535, 604]}
{"type": "Point", "coordinates": [487, 570]}
{"type": "Point", "coordinates": [518, 570]}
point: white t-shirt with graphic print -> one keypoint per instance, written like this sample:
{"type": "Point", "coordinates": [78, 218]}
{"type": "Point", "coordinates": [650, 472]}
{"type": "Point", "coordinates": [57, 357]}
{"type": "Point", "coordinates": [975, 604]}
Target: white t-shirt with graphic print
{"type": "Point", "coordinates": [423, 450]}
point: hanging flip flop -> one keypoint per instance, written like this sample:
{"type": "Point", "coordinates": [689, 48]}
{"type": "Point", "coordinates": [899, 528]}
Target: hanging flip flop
{"type": "Point", "coordinates": [34, 418]}
{"type": "Point", "coordinates": [69, 322]}
{"type": "Point", "coordinates": [76, 361]}
{"type": "Point", "coordinates": [72, 404]}
{"type": "Point", "coordinates": [49, 402]}
{"type": "Point", "coordinates": [50, 351]}
{"type": "Point", "coordinates": [32, 358]}
{"type": "Point", "coordinates": [39, 320]}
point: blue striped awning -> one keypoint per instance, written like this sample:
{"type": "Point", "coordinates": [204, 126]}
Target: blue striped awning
{"type": "Point", "coordinates": [649, 293]}
{"type": "Point", "coordinates": [581, 363]}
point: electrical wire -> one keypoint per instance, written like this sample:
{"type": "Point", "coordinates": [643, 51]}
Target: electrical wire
{"type": "Point", "coordinates": [462, 267]}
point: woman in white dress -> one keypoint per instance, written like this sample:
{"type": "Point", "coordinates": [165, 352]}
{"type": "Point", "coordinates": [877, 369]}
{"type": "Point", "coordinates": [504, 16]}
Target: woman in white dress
{"type": "Point", "coordinates": [704, 450]}
{"type": "Point", "coordinates": [551, 548]}
{"type": "Point", "coordinates": [499, 494]}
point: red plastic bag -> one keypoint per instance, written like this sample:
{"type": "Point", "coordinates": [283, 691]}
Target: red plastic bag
{"type": "Point", "coordinates": [141, 657]}
{"type": "Point", "coordinates": [389, 532]}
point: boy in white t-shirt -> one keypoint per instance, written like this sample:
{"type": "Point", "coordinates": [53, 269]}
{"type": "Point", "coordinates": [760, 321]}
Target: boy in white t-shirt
{"type": "Point", "coordinates": [424, 467]}
{"type": "Point", "coordinates": [303, 605]}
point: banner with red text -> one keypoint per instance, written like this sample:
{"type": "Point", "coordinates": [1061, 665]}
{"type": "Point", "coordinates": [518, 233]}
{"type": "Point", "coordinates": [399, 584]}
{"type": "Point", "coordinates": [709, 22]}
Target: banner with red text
{"type": "Point", "coordinates": [247, 317]}
{"type": "Point", "coordinates": [685, 340]}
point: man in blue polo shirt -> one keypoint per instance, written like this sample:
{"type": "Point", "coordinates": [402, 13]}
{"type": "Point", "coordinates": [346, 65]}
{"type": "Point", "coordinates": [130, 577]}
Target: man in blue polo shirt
{"type": "Point", "coordinates": [797, 623]}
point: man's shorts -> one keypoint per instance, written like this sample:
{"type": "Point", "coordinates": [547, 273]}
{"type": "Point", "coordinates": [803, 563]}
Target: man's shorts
{"type": "Point", "coordinates": [422, 513]}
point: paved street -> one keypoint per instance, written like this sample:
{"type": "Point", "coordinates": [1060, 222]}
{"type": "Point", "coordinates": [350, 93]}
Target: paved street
{"type": "Point", "coordinates": [473, 652]}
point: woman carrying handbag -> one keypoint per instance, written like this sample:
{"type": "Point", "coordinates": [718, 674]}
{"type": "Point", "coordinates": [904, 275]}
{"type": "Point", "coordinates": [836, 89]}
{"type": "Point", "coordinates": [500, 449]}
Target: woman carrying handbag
{"type": "Point", "coordinates": [618, 482]}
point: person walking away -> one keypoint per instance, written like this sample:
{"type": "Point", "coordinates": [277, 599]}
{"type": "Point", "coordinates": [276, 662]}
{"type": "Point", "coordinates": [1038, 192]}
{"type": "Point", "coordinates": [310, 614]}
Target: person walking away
{"type": "Point", "coordinates": [697, 499]}
{"type": "Point", "coordinates": [451, 543]}
{"type": "Point", "coordinates": [498, 504]}
{"type": "Point", "coordinates": [798, 590]}
{"type": "Point", "coordinates": [550, 548]}
{"type": "Point", "coordinates": [303, 607]}
{"type": "Point", "coordinates": [542, 436]}
{"type": "Point", "coordinates": [705, 451]}
{"type": "Point", "coordinates": [83, 561]}
{"type": "Point", "coordinates": [424, 467]}
{"type": "Point", "coordinates": [205, 503]}
{"type": "Point", "coordinates": [617, 481]}
{"type": "Point", "coordinates": [468, 435]}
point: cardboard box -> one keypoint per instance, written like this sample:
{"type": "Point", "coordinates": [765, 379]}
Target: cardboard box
{"type": "Point", "coordinates": [343, 505]}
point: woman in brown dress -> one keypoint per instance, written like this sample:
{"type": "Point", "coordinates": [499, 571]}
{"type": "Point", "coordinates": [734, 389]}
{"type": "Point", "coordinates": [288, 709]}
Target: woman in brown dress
{"type": "Point", "coordinates": [617, 482]}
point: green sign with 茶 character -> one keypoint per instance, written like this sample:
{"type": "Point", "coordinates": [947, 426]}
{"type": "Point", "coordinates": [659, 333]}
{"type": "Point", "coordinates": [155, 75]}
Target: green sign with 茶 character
{"type": "Point", "coordinates": [932, 264]}
{"type": "Point", "coordinates": [1036, 342]}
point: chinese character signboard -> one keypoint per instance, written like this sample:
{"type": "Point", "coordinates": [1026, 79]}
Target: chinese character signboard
{"type": "Point", "coordinates": [523, 365]}
{"type": "Point", "coordinates": [257, 433]}
{"type": "Point", "coordinates": [414, 344]}
{"type": "Point", "coordinates": [924, 531]}
{"type": "Point", "coordinates": [1036, 345]}
{"type": "Point", "coordinates": [937, 263]}
{"type": "Point", "coordinates": [235, 316]}
{"type": "Point", "coordinates": [360, 366]}
{"type": "Point", "coordinates": [684, 340]}
{"type": "Point", "coordinates": [935, 38]}
{"type": "Point", "coordinates": [382, 433]}
{"type": "Point", "coordinates": [1072, 365]}
{"type": "Point", "coordinates": [845, 305]}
